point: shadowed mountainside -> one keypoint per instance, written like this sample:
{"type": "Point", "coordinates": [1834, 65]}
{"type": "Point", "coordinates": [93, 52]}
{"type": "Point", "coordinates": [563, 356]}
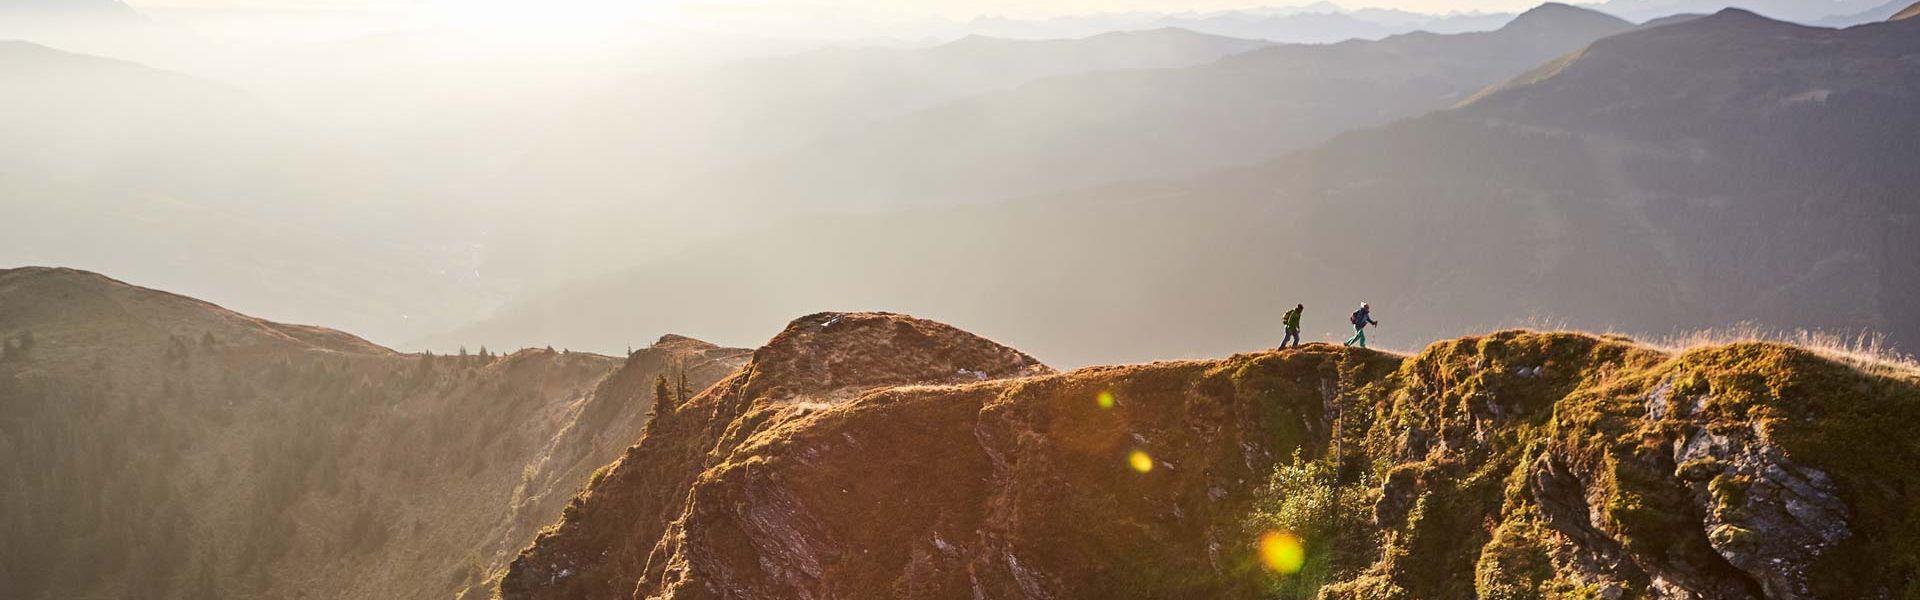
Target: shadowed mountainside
{"type": "Point", "coordinates": [156, 446]}
{"type": "Point", "coordinates": [874, 455]}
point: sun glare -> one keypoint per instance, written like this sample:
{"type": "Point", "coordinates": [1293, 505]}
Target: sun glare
{"type": "Point", "coordinates": [1140, 461]}
{"type": "Point", "coordinates": [1282, 552]}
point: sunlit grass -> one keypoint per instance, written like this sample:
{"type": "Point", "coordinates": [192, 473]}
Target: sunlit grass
{"type": "Point", "coordinates": [1861, 349]}
{"type": "Point", "coordinates": [1864, 349]}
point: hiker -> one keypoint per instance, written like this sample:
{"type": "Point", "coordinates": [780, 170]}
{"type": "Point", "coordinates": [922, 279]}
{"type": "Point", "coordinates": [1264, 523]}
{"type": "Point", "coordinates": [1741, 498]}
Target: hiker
{"type": "Point", "coordinates": [1361, 319]}
{"type": "Point", "coordinates": [1292, 321]}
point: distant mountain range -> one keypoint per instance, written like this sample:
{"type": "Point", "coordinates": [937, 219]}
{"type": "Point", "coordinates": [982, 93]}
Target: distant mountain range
{"type": "Point", "coordinates": [1700, 174]}
{"type": "Point", "coordinates": [665, 124]}
{"type": "Point", "coordinates": [1043, 136]}
{"type": "Point", "coordinates": [1802, 11]}
{"type": "Point", "coordinates": [1327, 22]}
{"type": "Point", "coordinates": [649, 135]}
{"type": "Point", "coordinates": [1312, 24]}
{"type": "Point", "coordinates": [1062, 133]}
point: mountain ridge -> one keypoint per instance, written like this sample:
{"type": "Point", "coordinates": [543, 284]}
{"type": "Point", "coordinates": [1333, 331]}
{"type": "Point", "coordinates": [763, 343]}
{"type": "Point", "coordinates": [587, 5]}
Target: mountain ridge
{"type": "Point", "coordinates": [1469, 469]}
{"type": "Point", "coordinates": [1908, 13]}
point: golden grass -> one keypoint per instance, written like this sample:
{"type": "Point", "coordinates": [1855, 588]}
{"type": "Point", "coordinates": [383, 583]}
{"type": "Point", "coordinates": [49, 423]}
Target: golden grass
{"type": "Point", "coordinates": [1865, 350]}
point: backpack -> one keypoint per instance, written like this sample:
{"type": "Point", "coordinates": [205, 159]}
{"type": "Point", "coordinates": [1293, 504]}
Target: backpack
{"type": "Point", "coordinates": [1359, 316]}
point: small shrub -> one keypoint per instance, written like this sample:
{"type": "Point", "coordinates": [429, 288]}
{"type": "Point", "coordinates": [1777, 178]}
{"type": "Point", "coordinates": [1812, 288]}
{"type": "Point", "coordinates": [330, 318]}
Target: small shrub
{"type": "Point", "coordinates": [1305, 498]}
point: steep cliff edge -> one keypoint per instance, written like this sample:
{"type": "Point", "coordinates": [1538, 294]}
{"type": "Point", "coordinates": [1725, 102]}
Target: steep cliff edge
{"type": "Point", "coordinates": [862, 456]}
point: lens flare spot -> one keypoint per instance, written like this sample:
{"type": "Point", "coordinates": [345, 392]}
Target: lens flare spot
{"type": "Point", "coordinates": [1105, 399]}
{"type": "Point", "coordinates": [1140, 461]}
{"type": "Point", "coordinates": [1282, 552]}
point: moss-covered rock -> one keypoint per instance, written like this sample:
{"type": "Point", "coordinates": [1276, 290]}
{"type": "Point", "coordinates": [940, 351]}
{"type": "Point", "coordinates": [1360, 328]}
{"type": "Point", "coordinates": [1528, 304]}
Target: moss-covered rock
{"type": "Point", "coordinates": [1528, 465]}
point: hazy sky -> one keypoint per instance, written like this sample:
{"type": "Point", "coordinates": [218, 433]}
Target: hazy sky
{"type": "Point", "coordinates": [901, 8]}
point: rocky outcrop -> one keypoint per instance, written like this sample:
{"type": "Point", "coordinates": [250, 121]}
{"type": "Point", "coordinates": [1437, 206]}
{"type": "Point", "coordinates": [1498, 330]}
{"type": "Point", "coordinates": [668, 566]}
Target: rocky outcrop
{"type": "Point", "coordinates": [1765, 514]}
{"type": "Point", "coordinates": [628, 529]}
{"type": "Point", "coordinates": [869, 455]}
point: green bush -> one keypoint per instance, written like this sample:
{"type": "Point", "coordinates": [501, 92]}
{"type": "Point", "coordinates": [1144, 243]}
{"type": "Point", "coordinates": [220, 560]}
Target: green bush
{"type": "Point", "coordinates": [1335, 522]}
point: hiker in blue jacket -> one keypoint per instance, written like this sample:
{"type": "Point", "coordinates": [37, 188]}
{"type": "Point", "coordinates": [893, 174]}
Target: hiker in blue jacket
{"type": "Point", "coordinates": [1361, 319]}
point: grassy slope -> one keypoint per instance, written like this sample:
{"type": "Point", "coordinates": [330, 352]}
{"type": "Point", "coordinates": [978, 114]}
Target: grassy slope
{"type": "Point", "coordinates": [156, 446]}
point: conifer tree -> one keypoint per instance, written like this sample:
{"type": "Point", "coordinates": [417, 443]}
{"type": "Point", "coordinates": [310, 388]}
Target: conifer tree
{"type": "Point", "coordinates": [662, 399]}
{"type": "Point", "coordinates": [682, 392]}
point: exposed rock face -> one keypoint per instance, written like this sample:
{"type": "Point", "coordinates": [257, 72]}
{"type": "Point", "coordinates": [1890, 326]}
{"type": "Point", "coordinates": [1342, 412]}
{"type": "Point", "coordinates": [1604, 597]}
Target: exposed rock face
{"type": "Point", "coordinates": [1766, 515]}
{"type": "Point", "coordinates": [860, 456]}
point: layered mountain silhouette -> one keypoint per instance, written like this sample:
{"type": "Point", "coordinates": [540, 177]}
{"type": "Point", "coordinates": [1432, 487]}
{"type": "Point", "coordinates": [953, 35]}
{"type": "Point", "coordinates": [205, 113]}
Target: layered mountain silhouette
{"type": "Point", "coordinates": [618, 166]}
{"type": "Point", "coordinates": [1050, 135]}
{"type": "Point", "coordinates": [154, 445]}
{"type": "Point", "coordinates": [1801, 11]}
{"type": "Point", "coordinates": [664, 125]}
{"type": "Point", "coordinates": [1072, 132]}
{"type": "Point", "coordinates": [1701, 174]}
{"type": "Point", "coordinates": [875, 455]}
{"type": "Point", "coordinates": [1318, 23]}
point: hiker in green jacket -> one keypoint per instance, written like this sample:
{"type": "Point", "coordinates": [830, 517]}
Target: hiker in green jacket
{"type": "Point", "coordinates": [1361, 319]}
{"type": "Point", "coordinates": [1292, 321]}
